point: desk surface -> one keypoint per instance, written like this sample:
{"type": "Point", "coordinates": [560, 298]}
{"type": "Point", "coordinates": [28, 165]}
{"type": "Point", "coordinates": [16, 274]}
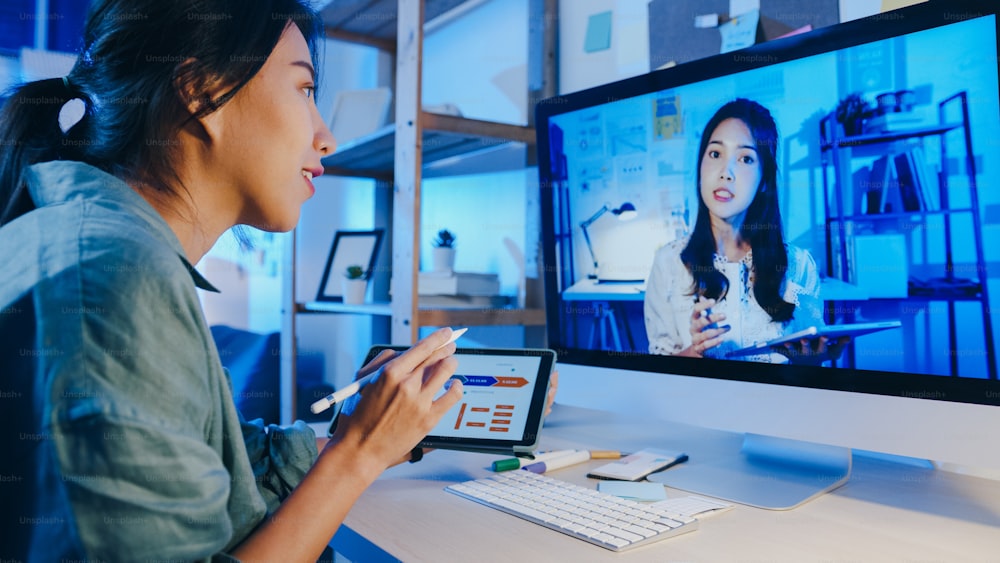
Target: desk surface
{"type": "Point", "coordinates": [831, 289]}
{"type": "Point", "coordinates": [888, 511]}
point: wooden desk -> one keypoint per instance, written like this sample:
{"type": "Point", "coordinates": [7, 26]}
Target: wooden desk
{"type": "Point", "coordinates": [888, 511]}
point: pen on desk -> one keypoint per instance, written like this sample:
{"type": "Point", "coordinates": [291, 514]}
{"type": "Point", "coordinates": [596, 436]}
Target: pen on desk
{"type": "Point", "coordinates": [519, 462]}
{"type": "Point", "coordinates": [574, 458]}
{"type": "Point", "coordinates": [341, 394]}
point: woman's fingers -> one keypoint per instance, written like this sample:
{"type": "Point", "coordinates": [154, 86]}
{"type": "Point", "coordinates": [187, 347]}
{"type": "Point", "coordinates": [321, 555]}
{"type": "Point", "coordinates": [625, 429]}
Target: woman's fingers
{"type": "Point", "coordinates": [423, 351]}
{"type": "Point", "coordinates": [705, 329]}
{"type": "Point", "coordinates": [553, 388]}
{"type": "Point", "coordinates": [435, 375]}
{"type": "Point", "coordinates": [700, 307]}
{"type": "Point", "coordinates": [711, 338]}
{"type": "Point", "coordinates": [379, 361]}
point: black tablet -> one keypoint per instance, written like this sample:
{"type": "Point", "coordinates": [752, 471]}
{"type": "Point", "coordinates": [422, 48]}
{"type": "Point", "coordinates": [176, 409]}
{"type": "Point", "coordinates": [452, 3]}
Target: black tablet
{"type": "Point", "coordinates": [503, 402]}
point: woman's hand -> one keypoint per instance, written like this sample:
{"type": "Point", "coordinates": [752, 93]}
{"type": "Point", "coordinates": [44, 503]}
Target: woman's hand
{"type": "Point", "coordinates": [705, 329]}
{"type": "Point", "coordinates": [398, 409]}
{"type": "Point", "coordinates": [553, 387]}
{"type": "Point", "coordinates": [812, 351]}
{"type": "Point", "coordinates": [549, 401]}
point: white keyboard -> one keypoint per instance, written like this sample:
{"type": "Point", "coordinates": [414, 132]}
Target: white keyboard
{"type": "Point", "coordinates": [599, 518]}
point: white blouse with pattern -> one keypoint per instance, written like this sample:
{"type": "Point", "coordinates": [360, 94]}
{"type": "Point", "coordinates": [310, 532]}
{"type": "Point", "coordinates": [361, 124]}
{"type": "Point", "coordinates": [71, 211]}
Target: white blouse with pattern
{"type": "Point", "coordinates": [669, 303]}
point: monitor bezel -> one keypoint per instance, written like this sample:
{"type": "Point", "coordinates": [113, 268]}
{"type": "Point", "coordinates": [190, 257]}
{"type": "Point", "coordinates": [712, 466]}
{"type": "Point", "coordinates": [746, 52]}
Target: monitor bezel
{"type": "Point", "coordinates": [877, 27]}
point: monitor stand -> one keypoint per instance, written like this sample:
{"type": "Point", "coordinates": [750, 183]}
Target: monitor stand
{"type": "Point", "coordinates": [767, 472]}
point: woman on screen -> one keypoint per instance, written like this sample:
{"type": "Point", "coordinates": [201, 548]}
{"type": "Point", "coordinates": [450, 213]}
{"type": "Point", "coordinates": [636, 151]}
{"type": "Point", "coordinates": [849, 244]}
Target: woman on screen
{"type": "Point", "coordinates": [735, 281]}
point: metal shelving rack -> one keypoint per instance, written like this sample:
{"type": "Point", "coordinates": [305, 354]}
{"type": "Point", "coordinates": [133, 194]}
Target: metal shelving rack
{"type": "Point", "coordinates": [837, 154]}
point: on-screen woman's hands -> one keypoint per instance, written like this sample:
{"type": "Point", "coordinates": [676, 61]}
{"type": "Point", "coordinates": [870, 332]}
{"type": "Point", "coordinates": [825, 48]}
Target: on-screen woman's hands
{"type": "Point", "coordinates": [398, 409]}
{"type": "Point", "coordinates": [812, 351]}
{"type": "Point", "coordinates": [706, 332]}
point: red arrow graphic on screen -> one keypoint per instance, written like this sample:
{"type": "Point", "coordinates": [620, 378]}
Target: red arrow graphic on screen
{"type": "Point", "coordinates": [510, 382]}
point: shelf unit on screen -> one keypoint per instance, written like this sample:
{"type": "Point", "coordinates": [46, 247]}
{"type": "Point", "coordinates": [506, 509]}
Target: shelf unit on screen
{"type": "Point", "coordinates": [397, 156]}
{"type": "Point", "coordinates": [909, 197]}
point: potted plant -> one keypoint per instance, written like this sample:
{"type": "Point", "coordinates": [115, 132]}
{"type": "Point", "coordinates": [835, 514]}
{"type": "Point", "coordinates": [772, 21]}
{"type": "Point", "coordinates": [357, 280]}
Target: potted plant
{"type": "Point", "coordinates": [851, 113]}
{"type": "Point", "coordinates": [443, 257]}
{"type": "Point", "coordinates": [355, 284]}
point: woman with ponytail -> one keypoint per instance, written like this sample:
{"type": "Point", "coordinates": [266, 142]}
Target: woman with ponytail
{"type": "Point", "coordinates": [735, 281]}
{"type": "Point", "coordinates": [121, 439]}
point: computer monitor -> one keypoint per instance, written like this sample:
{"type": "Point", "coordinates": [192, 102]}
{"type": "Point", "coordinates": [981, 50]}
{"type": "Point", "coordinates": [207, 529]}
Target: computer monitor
{"type": "Point", "coordinates": [887, 128]}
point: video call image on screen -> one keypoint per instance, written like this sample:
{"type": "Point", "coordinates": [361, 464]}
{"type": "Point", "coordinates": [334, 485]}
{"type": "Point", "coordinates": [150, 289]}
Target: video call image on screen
{"type": "Point", "coordinates": [885, 216]}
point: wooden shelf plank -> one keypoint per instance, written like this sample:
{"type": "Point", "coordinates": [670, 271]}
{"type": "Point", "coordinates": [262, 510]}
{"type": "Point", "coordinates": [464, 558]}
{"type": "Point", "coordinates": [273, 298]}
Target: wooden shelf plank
{"type": "Point", "coordinates": [444, 136]}
{"type": "Point", "coordinates": [481, 317]}
{"type": "Point", "coordinates": [373, 22]}
{"type": "Point", "coordinates": [378, 309]}
{"type": "Point", "coordinates": [438, 316]}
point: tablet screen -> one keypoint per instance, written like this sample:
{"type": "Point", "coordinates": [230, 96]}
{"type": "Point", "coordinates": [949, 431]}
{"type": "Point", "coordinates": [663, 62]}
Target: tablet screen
{"type": "Point", "coordinates": [503, 399]}
{"type": "Point", "coordinates": [496, 398]}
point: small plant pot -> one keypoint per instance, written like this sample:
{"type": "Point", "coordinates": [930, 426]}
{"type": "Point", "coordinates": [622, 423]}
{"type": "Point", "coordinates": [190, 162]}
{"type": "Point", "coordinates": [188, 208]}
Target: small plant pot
{"type": "Point", "coordinates": [354, 291]}
{"type": "Point", "coordinates": [443, 259]}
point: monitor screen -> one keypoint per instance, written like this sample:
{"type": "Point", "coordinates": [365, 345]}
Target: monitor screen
{"type": "Point", "coordinates": [834, 183]}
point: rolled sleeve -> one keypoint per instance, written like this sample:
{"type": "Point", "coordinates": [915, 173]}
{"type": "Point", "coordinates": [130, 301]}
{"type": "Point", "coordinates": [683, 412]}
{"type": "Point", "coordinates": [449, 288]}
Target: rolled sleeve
{"type": "Point", "coordinates": [280, 457]}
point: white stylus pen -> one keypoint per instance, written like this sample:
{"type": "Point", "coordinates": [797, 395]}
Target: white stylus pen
{"type": "Point", "coordinates": [339, 395]}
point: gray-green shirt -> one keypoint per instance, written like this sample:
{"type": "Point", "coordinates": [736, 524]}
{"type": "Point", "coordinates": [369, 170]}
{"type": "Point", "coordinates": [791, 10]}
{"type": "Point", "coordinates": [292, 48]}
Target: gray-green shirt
{"type": "Point", "coordinates": [120, 438]}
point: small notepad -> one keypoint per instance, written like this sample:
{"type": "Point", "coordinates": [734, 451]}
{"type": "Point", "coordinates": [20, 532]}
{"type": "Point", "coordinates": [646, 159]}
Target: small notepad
{"type": "Point", "coordinates": [641, 491]}
{"type": "Point", "coordinates": [636, 466]}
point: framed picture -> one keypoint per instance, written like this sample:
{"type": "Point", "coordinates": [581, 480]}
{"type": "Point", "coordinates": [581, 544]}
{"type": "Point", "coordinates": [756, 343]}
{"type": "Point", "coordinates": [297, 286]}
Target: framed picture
{"type": "Point", "coordinates": [350, 248]}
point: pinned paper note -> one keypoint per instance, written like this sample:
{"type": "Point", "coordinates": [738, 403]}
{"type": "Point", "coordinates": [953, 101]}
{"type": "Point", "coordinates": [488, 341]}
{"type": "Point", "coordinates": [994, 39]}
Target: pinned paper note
{"type": "Point", "coordinates": [706, 21]}
{"type": "Point", "coordinates": [739, 32]}
{"type": "Point", "coordinates": [667, 117]}
{"type": "Point", "coordinates": [598, 36]}
{"type": "Point", "coordinates": [640, 491]}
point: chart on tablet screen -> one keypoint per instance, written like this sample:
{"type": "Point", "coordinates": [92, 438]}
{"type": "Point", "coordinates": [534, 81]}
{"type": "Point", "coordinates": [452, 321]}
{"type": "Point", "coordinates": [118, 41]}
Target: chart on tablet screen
{"type": "Point", "coordinates": [496, 397]}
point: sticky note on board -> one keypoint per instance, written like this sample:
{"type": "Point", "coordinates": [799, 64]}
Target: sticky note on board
{"type": "Point", "coordinates": [598, 36]}
{"type": "Point", "coordinates": [706, 20]}
{"type": "Point", "coordinates": [739, 32]}
{"type": "Point", "coordinates": [641, 491]}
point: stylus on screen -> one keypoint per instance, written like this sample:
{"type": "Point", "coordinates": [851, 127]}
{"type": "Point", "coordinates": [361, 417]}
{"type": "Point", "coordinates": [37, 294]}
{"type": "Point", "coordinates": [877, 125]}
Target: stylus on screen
{"type": "Point", "coordinates": [341, 394]}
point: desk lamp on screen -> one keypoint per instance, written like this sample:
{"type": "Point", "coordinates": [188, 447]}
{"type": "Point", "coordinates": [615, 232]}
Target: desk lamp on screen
{"type": "Point", "coordinates": [625, 212]}
{"type": "Point", "coordinates": [928, 389]}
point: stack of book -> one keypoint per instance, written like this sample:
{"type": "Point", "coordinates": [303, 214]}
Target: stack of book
{"type": "Point", "coordinates": [460, 289]}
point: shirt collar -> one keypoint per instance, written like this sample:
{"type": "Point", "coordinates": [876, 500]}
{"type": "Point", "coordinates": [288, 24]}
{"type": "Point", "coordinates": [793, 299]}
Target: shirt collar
{"type": "Point", "coordinates": [60, 181]}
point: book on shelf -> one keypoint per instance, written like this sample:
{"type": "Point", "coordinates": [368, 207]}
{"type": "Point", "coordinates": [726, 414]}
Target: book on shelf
{"type": "Point", "coordinates": [896, 183]}
{"type": "Point", "coordinates": [877, 186]}
{"type": "Point", "coordinates": [466, 301]}
{"type": "Point", "coordinates": [926, 178]}
{"type": "Point", "coordinates": [893, 122]}
{"type": "Point", "coordinates": [910, 192]}
{"type": "Point", "coordinates": [843, 259]}
{"type": "Point", "coordinates": [458, 283]}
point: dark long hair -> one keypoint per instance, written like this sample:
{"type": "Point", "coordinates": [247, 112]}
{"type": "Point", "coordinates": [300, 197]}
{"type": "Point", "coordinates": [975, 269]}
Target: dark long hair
{"type": "Point", "coordinates": [762, 227]}
{"type": "Point", "coordinates": [140, 60]}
